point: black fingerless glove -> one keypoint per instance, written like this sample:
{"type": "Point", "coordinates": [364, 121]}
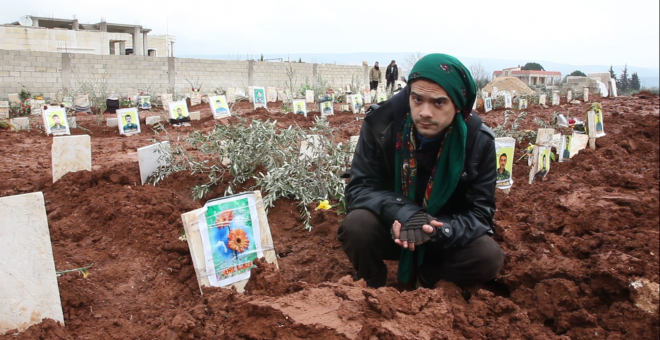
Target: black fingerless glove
{"type": "Point", "coordinates": [412, 231]}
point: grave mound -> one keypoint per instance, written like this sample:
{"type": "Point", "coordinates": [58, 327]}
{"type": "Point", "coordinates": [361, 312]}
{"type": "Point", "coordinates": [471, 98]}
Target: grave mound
{"type": "Point", "coordinates": [509, 84]}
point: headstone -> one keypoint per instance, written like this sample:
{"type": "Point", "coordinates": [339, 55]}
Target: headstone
{"type": "Point", "coordinates": [542, 99]}
{"type": "Point", "coordinates": [259, 96]}
{"type": "Point", "coordinates": [585, 94]}
{"type": "Point", "coordinates": [166, 98]}
{"type": "Point", "coordinates": [151, 157]}
{"type": "Point", "coordinates": [36, 106]}
{"type": "Point", "coordinates": [195, 98]}
{"type": "Point", "coordinates": [72, 122]}
{"type": "Point", "coordinates": [595, 123]}
{"type": "Point", "coordinates": [71, 154]}
{"type": "Point", "coordinates": [280, 96]}
{"type": "Point", "coordinates": [309, 96]}
{"type": "Point", "coordinates": [488, 105]}
{"type": "Point", "coordinates": [541, 165]}
{"type": "Point", "coordinates": [153, 120]}
{"type": "Point", "coordinates": [55, 121]}
{"type": "Point", "coordinates": [4, 109]}
{"type": "Point", "coordinates": [219, 107]}
{"type": "Point", "coordinates": [544, 136]}
{"type": "Point", "coordinates": [569, 95]}
{"type": "Point", "coordinates": [231, 95]}
{"type": "Point", "coordinates": [14, 98]}
{"type": "Point", "coordinates": [195, 115]}
{"type": "Point", "coordinates": [144, 102]}
{"type": "Point", "coordinates": [271, 94]}
{"type": "Point", "coordinates": [327, 108]}
{"type": "Point", "coordinates": [178, 110]}
{"type": "Point", "coordinates": [240, 92]}
{"type": "Point", "coordinates": [299, 107]}
{"type": "Point", "coordinates": [522, 103]}
{"type": "Point", "coordinates": [344, 107]}
{"type": "Point", "coordinates": [28, 282]}
{"type": "Point", "coordinates": [578, 142]}
{"type": "Point", "coordinates": [239, 229]}
{"type": "Point", "coordinates": [367, 97]}
{"type": "Point", "coordinates": [564, 151]}
{"type": "Point", "coordinates": [112, 122]}
{"type": "Point", "coordinates": [613, 90]}
{"type": "Point", "coordinates": [128, 121]}
{"type": "Point", "coordinates": [250, 93]}
{"type": "Point", "coordinates": [504, 154]}
{"type": "Point", "coordinates": [507, 101]}
{"type": "Point", "coordinates": [555, 98]}
{"type": "Point", "coordinates": [20, 123]}
{"type": "Point", "coordinates": [356, 103]}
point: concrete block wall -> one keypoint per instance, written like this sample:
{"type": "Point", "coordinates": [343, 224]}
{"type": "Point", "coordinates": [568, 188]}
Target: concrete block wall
{"type": "Point", "coordinates": [211, 73]}
{"type": "Point", "coordinates": [38, 72]}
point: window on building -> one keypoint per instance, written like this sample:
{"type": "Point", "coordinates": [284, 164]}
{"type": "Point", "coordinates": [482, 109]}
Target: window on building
{"type": "Point", "coordinates": [151, 52]}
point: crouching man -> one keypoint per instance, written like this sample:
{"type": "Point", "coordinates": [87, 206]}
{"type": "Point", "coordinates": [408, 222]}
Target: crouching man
{"type": "Point", "coordinates": [422, 185]}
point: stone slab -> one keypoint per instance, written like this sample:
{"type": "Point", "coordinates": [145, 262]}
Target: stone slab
{"type": "Point", "coordinates": [153, 120]}
{"type": "Point", "coordinates": [14, 98]}
{"type": "Point", "coordinates": [112, 122]}
{"type": "Point", "coordinates": [613, 90]}
{"type": "Point", "coordinates": [20, 123]}
{"type": "Point", "coordinates": [71, 154]}
{"type": "Point", "coordinates": [37, 107]}
{"type": "Point", "coordinates": [4, 109]}
{"type": "Point", "coordinates": [309, 96]}
{"type": "Point", "coordinates": [271, 94]}
{"type": "Point", "coordinates": [585, 94]}
{"type": "Point", "coordinates": [72, 122]}
{"type": "Point", "coordinates": [149, 159]}
{"type": "Point", "coordinates": [28, 282]}
{"type": "Point", "coordinates": [195, 115]}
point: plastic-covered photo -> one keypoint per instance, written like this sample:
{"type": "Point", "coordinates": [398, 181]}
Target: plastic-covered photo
{"type": "Point", "coordinates": [231, 238]}
{"type": "Point", "coordinates": [565, 148]}
{"type": "Point", "coordinates": [504, 151]}
{"type": "Point", "coordinates": [128, 121]}
{"type": "Point", "coordinates": [488, 105]}
{"type": "Point", "coordinates": [522, 104]}
{"type": "Point", "coordinates": [598, 122]}
{"type": "Point", "coordinates": [259, 95]}
{"type": "Point", "coordinates": [327, 109]}
{"type": "Point", "coordinates": [36, 106]}
{"type": "Point", "coordinates": [507, 101]}
{"type": "Point", "coordinates": [543, 163]}
{"type": "Point", "coordinates": [299, 107]}
{"type": "Point", "coordinates": [356, 103]}
{"type": "Point", "coordinates": [55, 121]}
{"type": "Point", "coordinates": [219, 107]}
{"type": "Point", "coordinates": [381, 97]}
{"type": "Point", "coordinates": [178, 110]}
{"type": "Point", "coordinates": [144, 102]}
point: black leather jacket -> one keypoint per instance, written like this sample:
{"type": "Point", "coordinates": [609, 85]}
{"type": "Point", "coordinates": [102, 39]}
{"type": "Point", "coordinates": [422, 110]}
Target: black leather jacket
{"type": "Point", "coordinates": [469, 211]}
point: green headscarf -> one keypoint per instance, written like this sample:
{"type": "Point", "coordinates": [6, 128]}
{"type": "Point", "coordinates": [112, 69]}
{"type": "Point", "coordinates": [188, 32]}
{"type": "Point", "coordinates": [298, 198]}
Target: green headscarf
{"type": "Point", "coordinates": [454, 78]}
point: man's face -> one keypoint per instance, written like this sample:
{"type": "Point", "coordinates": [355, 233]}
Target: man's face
{"type": "Point", "coordinates": [502, 161]}
{"type": "Point", "coordinates": [376, 64]}
{"type": "Point", "coordinates": [178, 111]}
{"type": "Point", "coordinates": [299, 107]}
{"type": "Point", "coordinates": [431, 108]}
{"type": "Point", "coordinates": [128, 119]}
{"type": "Point", "coordinates": [56, 119]}
{"type": "Point", "coordinates": [543, 162]}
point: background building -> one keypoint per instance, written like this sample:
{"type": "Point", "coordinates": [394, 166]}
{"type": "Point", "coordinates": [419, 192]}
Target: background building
{"type": "Point", "coordinates": [531, 77]}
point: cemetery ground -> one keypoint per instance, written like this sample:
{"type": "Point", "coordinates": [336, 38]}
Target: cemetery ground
{"type": "Point", "coordinates": [581, 247]}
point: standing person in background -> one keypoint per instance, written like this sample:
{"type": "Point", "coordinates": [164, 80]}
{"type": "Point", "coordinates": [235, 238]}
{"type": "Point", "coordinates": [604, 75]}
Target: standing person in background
{"type": "Point", "coordinates": [391, 74]}
{"type": "Point", "coordinates": [374, 79]}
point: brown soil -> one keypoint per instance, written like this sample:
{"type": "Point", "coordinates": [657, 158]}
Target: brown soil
{"type": "Point", "coordinates": [573, 245]}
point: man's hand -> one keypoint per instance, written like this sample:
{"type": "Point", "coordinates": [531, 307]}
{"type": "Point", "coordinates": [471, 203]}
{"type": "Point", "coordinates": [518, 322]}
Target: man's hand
{"type": "Point", "coordinates": [407, 236]}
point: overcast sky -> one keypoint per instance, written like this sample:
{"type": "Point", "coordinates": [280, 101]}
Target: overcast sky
{"type": "Point", "coordinates": [578, 32]}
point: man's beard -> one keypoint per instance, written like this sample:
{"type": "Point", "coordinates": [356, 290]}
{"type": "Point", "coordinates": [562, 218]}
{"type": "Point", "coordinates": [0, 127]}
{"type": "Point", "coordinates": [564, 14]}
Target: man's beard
{"type": "Point", "coordinates": [377, 68]}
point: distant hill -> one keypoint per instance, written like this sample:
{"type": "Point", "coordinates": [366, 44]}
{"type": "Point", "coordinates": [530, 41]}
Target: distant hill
{"type": "Point", "coordinates": [650, 77]}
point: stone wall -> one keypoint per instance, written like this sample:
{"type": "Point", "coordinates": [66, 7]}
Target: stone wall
{"type": "Point", "coordinates": [48, 72]}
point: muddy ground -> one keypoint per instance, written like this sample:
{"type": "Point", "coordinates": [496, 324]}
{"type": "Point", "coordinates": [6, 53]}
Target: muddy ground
{"type": "Point", "coordinates": [574, 243]}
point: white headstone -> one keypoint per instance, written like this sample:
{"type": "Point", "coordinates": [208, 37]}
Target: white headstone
{"type": "Point", "coordinates": [585, 94]}
{"type": "Point", "coordinates": [153, 120]}
{"type": "Point", "coordinates": [569, 95]}
{"type": "Point", "coordinates": [271, 94]}
{"type": "Point", "coordinates": [508, 102]}
{"type": "Point", "coordinates": [149, 158]}
{"type": "Point", "coordinates": [28, 282]}
{"type": "Point", "coordinates": [309, 96]}
{"type": "Point", "coordinates": [231, 95]}
{"type": "Point", "coordinates": [195, 115]}
{"type": "Point", "coordinates": [240, 92]}
{"type": "Point", "coordinates": [4, 109]}
{"type": "Point", "coordinates": [71, 154]}
{"type": "Point", "coordinates": [20, 123]}
{"type": "Point", "coordinates": [613, 90]}
{"type": "Point", "coordinates": [166, 98]}
{"type": "Point", "coordinates": [542, 99]}
{"type": "Point", "coordinates": [72, 122]}
{"type": "Point", "coordinates": [555, 98]}
{"type": "Point", "coordinates": [488, 105]}
{"type": "Point", "coordinates": [367, 97]}
{"type": "Point", "coordinates": [112, 122]}
{"type": "Point", "coordinates": [14, 98]}
{"type": "Point", "coordinates": [36, 106]}
{"type": "Point", "coordinates": [195, 98]}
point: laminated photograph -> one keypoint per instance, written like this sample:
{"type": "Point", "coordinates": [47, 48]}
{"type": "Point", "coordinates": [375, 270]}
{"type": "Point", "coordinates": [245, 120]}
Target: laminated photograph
{"type": "Point", "coordinates": [55, 121]}
{"type": "Point", "coordinates": [488, 105]}
{"type": "Point", "coordinates": [522, 104]}
{"type": "Point", "coordinates": [226, 236]}
{"type": "Point", "coordinates": [299, 107]}
{"type": "Point", "coordinates": [541, 163]}
{"type": "Point", "coordinates": [504, 151]}
{"type": "Point", "coordinates": [327, 109]}
{"type": "Point", "coordinates": [595, 123]}
{"type": "Point", "coordinates": [565, 148]}
{"type": "Point", "coordinates": [179, 111]}
{"type": "Point", "coordinates": [356, 103]}
{"type": "Point", "coordinates": [259, 97]}
{"type": "Point", "coordinates": [144, 102]}
{"type": "Point", "coordinates": [219, 107]}
{"type": "Point", "coordinates": [128, 121]}
{"type": "Point", "coordinates": [507, 101]}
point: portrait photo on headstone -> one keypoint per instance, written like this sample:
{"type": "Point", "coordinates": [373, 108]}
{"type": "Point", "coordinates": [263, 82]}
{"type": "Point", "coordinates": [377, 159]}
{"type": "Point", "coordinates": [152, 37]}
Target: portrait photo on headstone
{"type": "Point", "coordinates": [219, 107]}
{"type": "Point", "coordinates": [542, 163]}
{"type": "Point", "coordinates": [595, 118]}
{"type": "Point", "coordinates": [356, 103]}
{"type": "Point", "coordinates": [259, 97]}
{"type": "Point", "coordinates": [381, 97]}
{"type": "Point", "coordinates": [327, 109]}
{"type": "Point", "coordinates": [522, 104]}
{"type": "Point", "coordinates": [504, 152]}
{"type": "Point", "coordinates": [488, 105]}
{"type": "Point", "coordinates": [565, 148]}
{"type": "Point", "coordinates": [128, 121]}
{"type": "Point", "coordinates": [55, 121]}
{"type": "Point", "coordinates": [144, 102]}
{"type": "Point", "coordinates": [507, 101]}
{"type": "Point", "coordinates": [178, 110]}
{"type": "Point", "coordinates": [299, 107]}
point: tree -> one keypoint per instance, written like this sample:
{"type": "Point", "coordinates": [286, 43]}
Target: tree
{"type": "Point", "coordinates": [300, 60]}
{"type": "Point", "coordinates": [479, 74]}
{"type": "Point", "coordinates": [634, 82]}
{"type": "Point", "coordinates": [577, 73]}
{"type": "Point", "coordinates": [612, 74]}
{"type": "Point", "coordinates": [533, 66]}
{"type": "Point", "coordinates": [624, 82]}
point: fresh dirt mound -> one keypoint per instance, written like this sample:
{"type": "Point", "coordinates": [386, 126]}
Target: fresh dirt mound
{"type": "Point", "coordinates": [509, 84]}
{"type": "Point", "coordinates": [574, 244]}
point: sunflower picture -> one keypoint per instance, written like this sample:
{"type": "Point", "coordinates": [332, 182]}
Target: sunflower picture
{"type": "Point", "coordinates": [231, 237]}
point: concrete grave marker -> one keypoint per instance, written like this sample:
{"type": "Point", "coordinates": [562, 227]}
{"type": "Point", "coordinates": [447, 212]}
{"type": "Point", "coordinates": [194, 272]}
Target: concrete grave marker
{"type": "Point", "coordinates": [20, 123]}
{"type": "Point", "coordinates": [231, 95]}
{"type": "Point", "coordinates": [309, 96]}
{"type": "Point", "coordinates": [166, 98]}
{"type": "Point", "coordinates": [81, 100]}
{"type": "Point", "coordinates": [356, 103]}
{"type": "Point", "coordinates": [112, 122]}
{"type": "Point", "coordinates": [613, 90]}
{"type": "Point", "coordinates": [595, 123]}
{"type": "Point", "coordinates": [327, 108]}
{"type": "Point", "coordinates": [367, 96]}
{"type": "Point", "coordinates": [36, 106]}
{"type": "Point", "coordinates": [240, 92]}
{"type": "Point", "coordinates": [72, 122]}
{"type": "Point", "coordinates": [151, 157]}
{"type": "Point", "coordinates": [280, 96]}
{"type": "Point", "coordinates": [250, 93]}
{"type": "Point", "coordinates": [569, 95]}
{"type": "Point", "coordinates": [585, 94]}
{"type": "Point", "coordinates": [14, 98]}
{"type": "Point", "coordinates": [219, 107]}
{"type": "Point", "coordinates": [258, 95]}
{"type": "Point", "coordinates": [271, 94]}
{"type": "Point", "coordinates": [71, 154]}
{"type": "Point", "coordinates": [504, 156]}
{"type": "Point", "coordinates": [555, 98]}
{"type": "Point", "coordinates": [195, 98]}
{"type": "Point", "coordinates": [128, 121]}
{"type": "Point", "coordinates": [153, 120]}
{"type": "Point", "coordinates": [55, 121]}
{"type": "Point", "coordinates": [299, 107]}
{"type": "Point", "coordinates": [195, 115]}
{"type": "Point", "coordinates": [211, 232]}
{"type": "Point", "coordinates": [544, 136]}
{"type": "Point", "coordinates": [28, 282]}
{"type": "Point", "coordinates": [578, 142]}
{"type": "Point", "coordinates": [4, 109]}
{"type": "Point", "coordinates": [488, 105]}
{"type": "Point", "coordinates": [542, 99]}
{"type": "Point", "coordinates": [495, 91]}
{"type": "Point", "coordinates": [507, 101]}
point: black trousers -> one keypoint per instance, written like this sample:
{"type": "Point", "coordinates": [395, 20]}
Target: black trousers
{"type": "Point", "coordinates": [368, 242]}
{"type": "Point", "coordinates": [373, 85]}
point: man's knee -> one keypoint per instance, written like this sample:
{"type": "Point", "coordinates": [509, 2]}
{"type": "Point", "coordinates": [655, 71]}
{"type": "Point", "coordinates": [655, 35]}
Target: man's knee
{"type": "Point", "coordinates": [359, 226]}
{"type": "Point", "coordinates": [488, 258]}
